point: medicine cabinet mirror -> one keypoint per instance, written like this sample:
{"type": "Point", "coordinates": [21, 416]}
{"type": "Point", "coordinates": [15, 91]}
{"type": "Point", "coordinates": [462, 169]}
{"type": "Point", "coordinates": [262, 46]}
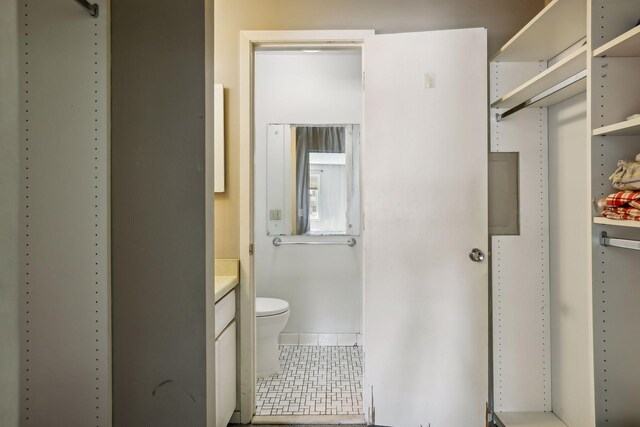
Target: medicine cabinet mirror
{"type": "Point", "coordinates": [313, 185]}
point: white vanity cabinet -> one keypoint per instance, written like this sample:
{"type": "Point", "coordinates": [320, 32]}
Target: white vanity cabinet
{"type": "Point", "coordinates": [225, 356]}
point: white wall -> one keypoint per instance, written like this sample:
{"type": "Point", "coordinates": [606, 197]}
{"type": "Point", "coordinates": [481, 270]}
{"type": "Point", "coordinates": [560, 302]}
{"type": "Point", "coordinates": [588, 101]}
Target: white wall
{"type": "Point", "coordinates": [323, 284]}
{"type": "Point", "coordinates": [9, 217]}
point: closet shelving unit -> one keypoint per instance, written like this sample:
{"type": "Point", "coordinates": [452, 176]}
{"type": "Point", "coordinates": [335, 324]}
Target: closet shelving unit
{"type": "Point", "coordinates": [615, 95]}
{"type": "Point", "coordinates": [529, 419]}
{"type": "Point", "coordinates": [543, 65]}
{"type": "Point", "coordinates": [565, 335]}
{"type": "Point", "coordinates": [555, 75]}
{"type": "Point", "coordinates": [549, 35]}
{"type": "Point", "coordinates": [625, 45]}
{"type": "Point", "coordinates": [626, 128]}
{"type": "Point", "coordinates": [616, 223]}
{"type": "Point", "coordinates": [615, 86]}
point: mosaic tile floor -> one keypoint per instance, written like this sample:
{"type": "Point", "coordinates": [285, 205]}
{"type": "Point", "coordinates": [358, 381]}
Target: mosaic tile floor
{"type": "Point", "coordinates": [315, 380]}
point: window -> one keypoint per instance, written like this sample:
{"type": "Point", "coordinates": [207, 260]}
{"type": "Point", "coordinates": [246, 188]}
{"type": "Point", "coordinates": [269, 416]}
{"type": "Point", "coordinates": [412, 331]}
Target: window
{"type": "Point", "coordinates": [314, 190]}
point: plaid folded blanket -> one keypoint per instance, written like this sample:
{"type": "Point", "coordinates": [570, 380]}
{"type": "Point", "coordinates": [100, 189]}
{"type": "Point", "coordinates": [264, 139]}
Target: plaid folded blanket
{"type": "Point", "coordinates": [622, 213]}
{"type": "Point", "coordinates": [622, 198]}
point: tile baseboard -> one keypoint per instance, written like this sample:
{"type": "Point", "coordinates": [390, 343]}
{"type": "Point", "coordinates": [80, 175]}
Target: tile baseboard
{"type": "Point", "coordinates": [308, 419]}
{"type": "Point", "coordinates": [341, 340]}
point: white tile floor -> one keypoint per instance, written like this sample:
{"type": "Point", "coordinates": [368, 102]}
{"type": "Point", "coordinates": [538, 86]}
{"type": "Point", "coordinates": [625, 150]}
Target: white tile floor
{"type": "Point", "coordinates": [315, 380]}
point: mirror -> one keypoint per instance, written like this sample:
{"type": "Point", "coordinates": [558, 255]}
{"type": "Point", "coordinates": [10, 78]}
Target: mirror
{"type": "Point", "coordinates": [313, 185]}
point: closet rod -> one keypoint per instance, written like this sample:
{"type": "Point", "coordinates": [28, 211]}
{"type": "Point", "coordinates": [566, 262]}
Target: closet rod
{"type": "Point", "coordinates": [547, 93]}
{"type": "Point", "coordinates": [92, 8]}
{"type": "Point", "coordinates": [619, 243]}
{"type": "Point", "coordinates": [278, 242]}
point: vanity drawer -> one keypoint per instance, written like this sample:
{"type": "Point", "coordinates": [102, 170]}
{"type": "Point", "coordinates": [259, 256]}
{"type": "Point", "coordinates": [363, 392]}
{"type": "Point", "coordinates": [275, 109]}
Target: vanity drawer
{"type": "Point", "coordinates": [225, 311]}
{"type": "Point", "coordinates": [225, 375]}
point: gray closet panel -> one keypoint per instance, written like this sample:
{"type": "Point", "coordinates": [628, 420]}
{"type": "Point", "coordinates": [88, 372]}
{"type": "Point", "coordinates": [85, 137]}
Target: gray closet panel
{"type": "Point", "coordinates": [616, 285]}
{"type": "Point", "coordinates": [158, 212]}
{"type": "Point", "coordinates": [616, 293]}
{"type": "Point", "coordinates": [64, 214]}
{"type": "Point", "coordinates": [10, 258]}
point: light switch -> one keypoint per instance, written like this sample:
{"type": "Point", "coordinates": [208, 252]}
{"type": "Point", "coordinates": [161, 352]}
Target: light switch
{"type": "Point", "coordinates": [275, 214]}
{"type": "Point", "coordinates": [429, 81]}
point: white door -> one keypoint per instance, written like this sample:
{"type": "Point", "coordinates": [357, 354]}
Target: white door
{"type": "Point", "coordinates": [425, 205]}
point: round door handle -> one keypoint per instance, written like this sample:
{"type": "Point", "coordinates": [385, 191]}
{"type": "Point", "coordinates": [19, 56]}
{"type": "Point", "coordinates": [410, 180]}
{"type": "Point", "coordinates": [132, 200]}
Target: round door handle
{"type": "Point", "coordinates": [476, 255]}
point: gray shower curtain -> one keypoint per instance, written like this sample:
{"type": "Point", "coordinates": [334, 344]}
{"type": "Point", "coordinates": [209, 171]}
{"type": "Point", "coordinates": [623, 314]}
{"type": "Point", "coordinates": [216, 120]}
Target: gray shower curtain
{"type": "Point", "coordinates": [312, 139]}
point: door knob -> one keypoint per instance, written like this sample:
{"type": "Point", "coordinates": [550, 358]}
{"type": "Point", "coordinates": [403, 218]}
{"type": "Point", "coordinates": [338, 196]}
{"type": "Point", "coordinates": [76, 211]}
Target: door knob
{"type": "Point", "coordinates": [476, 255]}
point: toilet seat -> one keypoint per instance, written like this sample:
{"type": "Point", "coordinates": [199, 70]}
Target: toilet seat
{"type": "Point", "coordinates": [270, 307]}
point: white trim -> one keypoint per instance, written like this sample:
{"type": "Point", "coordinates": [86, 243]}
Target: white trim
{"type": "Point", "coordinates": [218, 137]}
{"type": "Point", "coordinates": [209, 173]}
{"type": "Point", "coordinates": [249, 40]}
{"type": "Point", "coordinates": [316, 339]}
{"type": "Point", "coordinates": [307, 419]}
{"type": "Point", "coordinates": [588, 236]}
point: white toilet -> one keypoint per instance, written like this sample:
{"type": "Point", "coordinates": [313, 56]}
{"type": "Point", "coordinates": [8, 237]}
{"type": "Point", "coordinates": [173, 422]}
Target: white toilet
{"type": "Point", "coordinates": [271, 317]}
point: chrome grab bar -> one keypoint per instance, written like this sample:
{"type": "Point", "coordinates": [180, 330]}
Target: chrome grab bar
{"type": "Point", "coordinates": [619, 243]}
{"type": "Point", "coordinates": [277, 241]}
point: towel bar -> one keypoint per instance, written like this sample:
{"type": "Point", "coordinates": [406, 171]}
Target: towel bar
{"type": "Point", "coordinates": [619, 243]}
{"type": "Point", "coordinates": [277, 241]}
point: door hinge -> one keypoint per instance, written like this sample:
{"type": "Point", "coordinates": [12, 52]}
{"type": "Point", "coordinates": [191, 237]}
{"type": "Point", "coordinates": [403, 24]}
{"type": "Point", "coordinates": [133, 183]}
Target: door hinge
{"type": "Point", "coordinates": [250, 248]}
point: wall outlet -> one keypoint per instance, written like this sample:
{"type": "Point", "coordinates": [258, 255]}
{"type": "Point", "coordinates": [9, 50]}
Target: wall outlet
{"type": "Point", "coordinates": [275, 214]}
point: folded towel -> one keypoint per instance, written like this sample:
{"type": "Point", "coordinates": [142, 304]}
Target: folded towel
{"type": "Point", "coordinates": [627, 176]}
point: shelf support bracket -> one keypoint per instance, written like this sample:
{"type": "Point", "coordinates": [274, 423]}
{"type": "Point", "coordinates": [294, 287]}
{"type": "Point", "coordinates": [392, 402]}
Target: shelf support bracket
{"type": "Point", "coordinates": [92, 8]}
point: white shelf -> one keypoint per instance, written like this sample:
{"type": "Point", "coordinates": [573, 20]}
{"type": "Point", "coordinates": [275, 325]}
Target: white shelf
{"type": "Point", "coordinates": [559, 25]}
{"type": "Point", "coordinates": [627, 44]}
{"type": "Point", "coordinates": [529, 419]}
{"type": "Point", "coordinates": [550, 77]}
{"type": "Point", "coordinates": [626, 128]}
{"type": "Point", "coordinates": [616, 222]}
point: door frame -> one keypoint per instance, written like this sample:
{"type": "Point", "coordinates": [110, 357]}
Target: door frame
{"type": "Point", "coordinates": [249, 42]}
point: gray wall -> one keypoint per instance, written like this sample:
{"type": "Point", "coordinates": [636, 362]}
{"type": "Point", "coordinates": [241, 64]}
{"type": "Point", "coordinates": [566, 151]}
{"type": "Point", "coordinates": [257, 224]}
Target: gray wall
{"type": "Point", "coordinates": [9, 211]}
{"type": "Point", "coordinates": [158, 212]}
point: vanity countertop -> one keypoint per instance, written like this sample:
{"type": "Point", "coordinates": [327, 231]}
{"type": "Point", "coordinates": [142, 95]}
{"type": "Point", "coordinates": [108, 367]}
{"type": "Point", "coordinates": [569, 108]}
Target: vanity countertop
{"type": "Point", "coordinates": [227, 276]}
{"type": "Point", "coordinates": [224, 284]}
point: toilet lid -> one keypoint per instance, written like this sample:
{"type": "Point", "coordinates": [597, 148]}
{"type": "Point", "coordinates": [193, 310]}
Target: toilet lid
{"type": "Point", "coordinates": [270, 306]}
